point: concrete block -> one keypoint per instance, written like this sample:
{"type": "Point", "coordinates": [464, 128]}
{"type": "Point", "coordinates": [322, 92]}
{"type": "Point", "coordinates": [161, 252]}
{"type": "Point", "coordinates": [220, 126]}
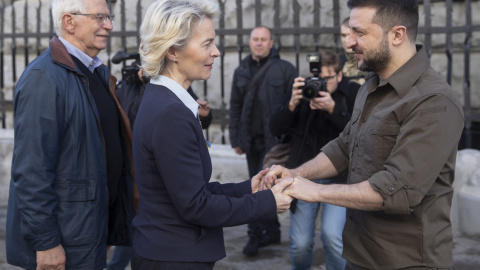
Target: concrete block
{"type": "Point", "coordinates": [468, 211]}
{"type": "Point", "coordinates": [466, 199]}
{"type": "Point", "coordinates": [227, 166]}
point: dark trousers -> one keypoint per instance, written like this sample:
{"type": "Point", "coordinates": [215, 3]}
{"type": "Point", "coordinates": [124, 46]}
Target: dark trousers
{"type": "Point", "coordinates": [255, 163]}
{"type": "Point", "coordinates": [255, 157]}
{"type": "Point", "coordinates": [140, 263]}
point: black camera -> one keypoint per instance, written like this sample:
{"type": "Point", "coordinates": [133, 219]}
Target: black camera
{"type": "Point", "coordinates": [129, 73]}
{"type": "Point", "coordinates": [315, 84]}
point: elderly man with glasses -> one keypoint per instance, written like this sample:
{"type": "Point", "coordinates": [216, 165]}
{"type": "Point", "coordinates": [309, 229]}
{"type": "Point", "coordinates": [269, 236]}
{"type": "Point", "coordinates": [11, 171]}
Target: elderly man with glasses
{"type": "Point", "coordinates": [71, 190]}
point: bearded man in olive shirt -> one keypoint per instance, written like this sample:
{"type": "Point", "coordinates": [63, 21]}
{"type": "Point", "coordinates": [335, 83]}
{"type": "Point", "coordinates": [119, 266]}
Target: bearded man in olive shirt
{"type": "Point", "coordinates": [399, 149]}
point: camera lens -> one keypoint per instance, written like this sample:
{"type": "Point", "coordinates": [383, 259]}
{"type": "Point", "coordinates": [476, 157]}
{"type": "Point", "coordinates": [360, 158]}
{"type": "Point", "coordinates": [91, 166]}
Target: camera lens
{"type": "Point", "coordinates": [309, 92]}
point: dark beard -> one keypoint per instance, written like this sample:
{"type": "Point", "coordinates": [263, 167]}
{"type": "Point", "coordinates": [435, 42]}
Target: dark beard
{"type": "Point", "coordinates": [379, 60]}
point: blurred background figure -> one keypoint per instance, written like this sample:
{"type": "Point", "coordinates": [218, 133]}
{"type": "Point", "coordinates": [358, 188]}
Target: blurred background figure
{"type": "Point", "coordinates": [260, 85]}
{"type": "Point", "coordinates": [349, 62]}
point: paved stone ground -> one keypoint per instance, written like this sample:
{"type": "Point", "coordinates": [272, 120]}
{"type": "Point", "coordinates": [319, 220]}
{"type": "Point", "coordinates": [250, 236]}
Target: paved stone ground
{"type": "Point", "coordinates": [466, 250]}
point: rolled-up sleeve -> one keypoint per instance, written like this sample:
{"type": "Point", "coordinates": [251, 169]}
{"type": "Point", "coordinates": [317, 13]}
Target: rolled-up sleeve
{"type": "Point", "coordinates": [423, 149]}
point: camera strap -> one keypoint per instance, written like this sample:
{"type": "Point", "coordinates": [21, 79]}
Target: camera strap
{"type": "Point", "coordinates": [304, 138]}
{"type": "Point", "coordinates": [257, 75]}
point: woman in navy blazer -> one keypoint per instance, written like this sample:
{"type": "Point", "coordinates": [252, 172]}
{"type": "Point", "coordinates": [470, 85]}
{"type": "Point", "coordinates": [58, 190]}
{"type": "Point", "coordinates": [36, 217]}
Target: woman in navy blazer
{"type": "Point", "coordinates": [180, 214]}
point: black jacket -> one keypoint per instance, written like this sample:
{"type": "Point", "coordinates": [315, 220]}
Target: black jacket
{"type": "Point", "coordinates": [273, 87]}
{"type": "Point", "coordinates": [320, 126]}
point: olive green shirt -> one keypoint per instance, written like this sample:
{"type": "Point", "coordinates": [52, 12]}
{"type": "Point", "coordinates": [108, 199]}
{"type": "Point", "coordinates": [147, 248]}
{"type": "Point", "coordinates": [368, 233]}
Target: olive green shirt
{"type": "Point", "coordinates": [402, 138]}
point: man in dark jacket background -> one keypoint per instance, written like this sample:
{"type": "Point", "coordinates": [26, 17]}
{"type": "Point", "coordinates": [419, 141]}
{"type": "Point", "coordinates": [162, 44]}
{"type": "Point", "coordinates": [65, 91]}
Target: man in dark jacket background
{"type": "Point", "coordinates": [310, 123]}
{"type": "Point", "coordinates": [71, 189]}
{"type": "Point", "coordinates": [252, 102]}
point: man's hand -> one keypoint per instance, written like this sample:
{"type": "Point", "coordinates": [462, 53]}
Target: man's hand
{"type": "Point", "coordinates": [275, 174]}
{"type": "Point", "coordinates": [204, 109]}
{"type": "Point", "coordinates": [359, 196]}
{"type": "Point", "coordinates": [52, 259]}
{"type": "Point", "coordinates": [283, 201]}
{"type": "Point", "coordinates": [302, 189]}
{"type": "Point", "coordinates": [238, 150]}
{"type": "Point", "coordinates": [257, 180]}
{"type": "Point", "coordinates": [324, 103]}
{"type": "Point", "coordinates": [296, 93]}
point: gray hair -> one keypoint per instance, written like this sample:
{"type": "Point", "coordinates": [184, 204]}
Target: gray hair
{"type": "Point", "coordinates": [168, 23]}
{"type": "Point", "coordinates": [60, 7]}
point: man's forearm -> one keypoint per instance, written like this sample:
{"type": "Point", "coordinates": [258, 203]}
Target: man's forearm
{"type": "Point", "coordinates": [357, 196]}
{"type": "Point", "coordinates": [318, 168]}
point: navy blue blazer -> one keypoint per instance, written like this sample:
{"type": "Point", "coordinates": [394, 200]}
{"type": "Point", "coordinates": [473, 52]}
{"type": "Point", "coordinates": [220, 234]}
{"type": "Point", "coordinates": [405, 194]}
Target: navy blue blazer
{"type": "Point", "coordinates": [180, 214]}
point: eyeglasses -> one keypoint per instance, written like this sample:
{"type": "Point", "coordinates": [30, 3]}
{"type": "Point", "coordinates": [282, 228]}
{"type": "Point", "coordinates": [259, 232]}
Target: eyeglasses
{"type": "Point", "coordinates": [101, 17]}
{"type": "Point", "coordinates": [327, 79]}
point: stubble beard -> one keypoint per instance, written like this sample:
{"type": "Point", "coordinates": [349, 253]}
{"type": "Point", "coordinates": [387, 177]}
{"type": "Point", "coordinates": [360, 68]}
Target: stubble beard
{"type": "Point", "coordinates": [379, 60]}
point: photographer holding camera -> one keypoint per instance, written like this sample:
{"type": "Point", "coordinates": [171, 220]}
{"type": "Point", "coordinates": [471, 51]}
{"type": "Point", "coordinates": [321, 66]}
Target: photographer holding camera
{"type": "Point", "coordinates": [319, 108]}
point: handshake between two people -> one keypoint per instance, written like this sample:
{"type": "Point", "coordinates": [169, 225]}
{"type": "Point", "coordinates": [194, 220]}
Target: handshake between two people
{"type": "Point", "coordinates": [284, 185]}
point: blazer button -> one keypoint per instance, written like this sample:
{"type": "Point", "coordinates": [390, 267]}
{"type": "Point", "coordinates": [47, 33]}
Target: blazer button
{"type": "Point", "coordinates": [391, 188]}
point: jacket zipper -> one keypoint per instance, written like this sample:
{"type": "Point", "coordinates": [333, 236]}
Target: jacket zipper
{"type": "Point", "coordinates": [87, 89]}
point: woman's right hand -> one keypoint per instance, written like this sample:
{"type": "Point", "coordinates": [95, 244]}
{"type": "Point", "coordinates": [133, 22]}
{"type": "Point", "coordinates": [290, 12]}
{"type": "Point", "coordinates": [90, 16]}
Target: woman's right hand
{"type": "Point", "coordinates": [296, 93]}
{"type": "Point", "coordinates": [283, 201]}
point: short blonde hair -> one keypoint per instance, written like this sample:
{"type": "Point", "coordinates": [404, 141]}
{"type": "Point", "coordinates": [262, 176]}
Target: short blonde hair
{"type": "Point", "coordinates": [169, 23]}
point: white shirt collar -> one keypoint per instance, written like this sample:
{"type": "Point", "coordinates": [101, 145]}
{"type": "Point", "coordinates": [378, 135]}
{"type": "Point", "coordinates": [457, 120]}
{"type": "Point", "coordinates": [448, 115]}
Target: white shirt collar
{"type": "Point", "coordinates": [179, 91]}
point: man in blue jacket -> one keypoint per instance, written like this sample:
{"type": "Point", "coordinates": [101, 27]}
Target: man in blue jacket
{"type": "Point", "coordinates": [71, 190]}
{"type": "Point", "coordinates": [260, 86]}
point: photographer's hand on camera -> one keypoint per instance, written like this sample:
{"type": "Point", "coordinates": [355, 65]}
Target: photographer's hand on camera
{"type": "Point", "coordinates": [298, 83]}
{"type": "Point", "coordinates": [324, 102]}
